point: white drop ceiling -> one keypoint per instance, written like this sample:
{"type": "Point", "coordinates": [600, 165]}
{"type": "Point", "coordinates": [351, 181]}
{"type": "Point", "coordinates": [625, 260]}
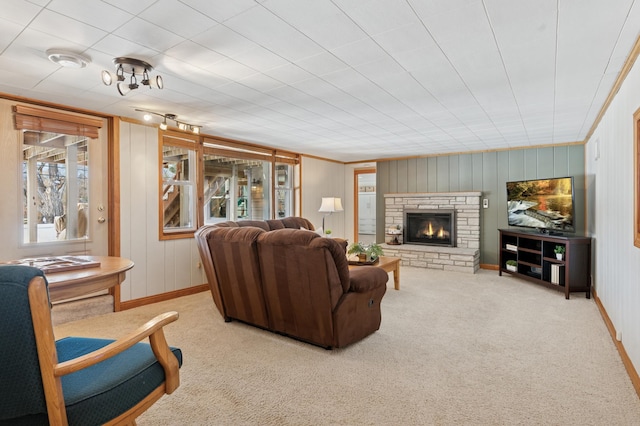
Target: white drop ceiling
{"type": "Point", "coordinates": [349, 80]}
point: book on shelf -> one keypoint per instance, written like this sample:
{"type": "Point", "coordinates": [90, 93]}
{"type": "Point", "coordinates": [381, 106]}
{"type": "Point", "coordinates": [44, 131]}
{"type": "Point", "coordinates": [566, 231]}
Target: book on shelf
{"type": "Point", "coordinates": [511, 247]}
{"type": "Point", "coordinates": [557, 274]}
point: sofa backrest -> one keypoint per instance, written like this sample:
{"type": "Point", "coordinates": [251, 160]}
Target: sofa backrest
{"type": "Point", "coordinates": [293, 222]}
{"type": "Point", "coordinates": [303, 278]}
{"type": "Point", "coordinates": [230, 256]}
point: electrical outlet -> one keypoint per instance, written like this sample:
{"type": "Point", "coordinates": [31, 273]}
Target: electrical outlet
{"type": "Point", "coordinates": [485, 203]}
{"type": "Point", "coordinates": [619, 336]}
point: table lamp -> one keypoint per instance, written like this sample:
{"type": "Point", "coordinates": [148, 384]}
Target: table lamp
{"type": "Point", "coordinates": [330, 205]}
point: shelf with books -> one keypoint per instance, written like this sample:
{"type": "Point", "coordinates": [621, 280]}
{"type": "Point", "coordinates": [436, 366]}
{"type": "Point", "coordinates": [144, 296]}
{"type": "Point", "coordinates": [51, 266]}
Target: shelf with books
{"type": "Point", "coordinates": [536, 260]}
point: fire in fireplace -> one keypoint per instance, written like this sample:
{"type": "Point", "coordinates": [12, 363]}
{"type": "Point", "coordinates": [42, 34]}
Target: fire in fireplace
{"type": "Point", "coordinates": [430, 227]}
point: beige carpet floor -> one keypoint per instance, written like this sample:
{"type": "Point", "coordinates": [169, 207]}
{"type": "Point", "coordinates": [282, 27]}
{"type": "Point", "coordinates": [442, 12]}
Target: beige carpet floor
{"type": "Point", "coordinates": [453, 349]}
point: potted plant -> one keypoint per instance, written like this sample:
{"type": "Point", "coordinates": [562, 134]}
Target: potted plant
{"type": "Point", "coordinates": [365, 252]}
{"type": "Point", "coordinates": [512, 265]}
{"type": "Point", "coordinates": [328, 233]}
{"type": "Point", "coordinates": [559, 251]}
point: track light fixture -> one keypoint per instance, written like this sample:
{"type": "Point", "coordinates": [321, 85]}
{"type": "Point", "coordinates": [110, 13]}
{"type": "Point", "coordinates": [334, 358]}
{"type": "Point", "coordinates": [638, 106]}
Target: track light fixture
{"type": "Point", "coordinates": [136, 69]}
{"type": "Point", "coordinates": [172, 117]}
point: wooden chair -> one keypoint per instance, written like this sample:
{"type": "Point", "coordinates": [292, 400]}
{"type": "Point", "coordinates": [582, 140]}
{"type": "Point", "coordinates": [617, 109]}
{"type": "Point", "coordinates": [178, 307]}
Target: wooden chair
{"type": "Point", "coordinates": [75, 380]}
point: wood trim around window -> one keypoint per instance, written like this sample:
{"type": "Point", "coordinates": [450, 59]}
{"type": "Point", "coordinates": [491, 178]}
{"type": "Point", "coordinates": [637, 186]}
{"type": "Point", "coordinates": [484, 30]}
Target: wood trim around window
{"type": "Point", "coordinates": [636, 177]}
{"type": "Point", "coordinates": [192, 143]}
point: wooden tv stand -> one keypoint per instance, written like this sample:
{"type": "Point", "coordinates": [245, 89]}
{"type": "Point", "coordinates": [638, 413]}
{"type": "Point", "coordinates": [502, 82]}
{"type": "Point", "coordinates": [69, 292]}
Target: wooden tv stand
{"type": "Point", "coordinates": [534, 254]}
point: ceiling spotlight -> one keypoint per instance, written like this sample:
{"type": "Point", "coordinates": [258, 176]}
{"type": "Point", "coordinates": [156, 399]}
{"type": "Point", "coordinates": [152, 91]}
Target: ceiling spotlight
{"type": "Point", "coordinates": [135, 68]}
{"type": "Point", "coordinates": [68, 59]}
{"type": "Point", "coordinates": [124, 88]}
{"type": "Point", "coordinates": [148, 115]}
{"type": "Point", "coordinates": [107, 78]}
{"type": "Point", "coordinates": [152, 83]}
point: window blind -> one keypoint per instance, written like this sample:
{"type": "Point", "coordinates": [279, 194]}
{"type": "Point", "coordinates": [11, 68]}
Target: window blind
{"type": "Point", "coordinates": [42, 120]}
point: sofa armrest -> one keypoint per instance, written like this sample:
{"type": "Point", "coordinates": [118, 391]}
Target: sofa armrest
{"type": "Point", "coordinates": [366, 278]}
{"type": "Point", "coordinates": [343, 243]}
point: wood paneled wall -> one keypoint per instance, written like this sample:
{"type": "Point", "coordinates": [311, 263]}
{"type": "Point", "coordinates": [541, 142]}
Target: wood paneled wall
{"type": "Point", "coordinates": [615, 259]}
{"type": "Point", "coordinates": [324, 179]}
{"type": "Point", "coordinates": [160, 266]}
{"type": "Point", "coordinates": [487, 172]}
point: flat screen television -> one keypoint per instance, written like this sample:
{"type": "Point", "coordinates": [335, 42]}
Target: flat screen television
{"type": "Point", "coordinates": [544, 204]}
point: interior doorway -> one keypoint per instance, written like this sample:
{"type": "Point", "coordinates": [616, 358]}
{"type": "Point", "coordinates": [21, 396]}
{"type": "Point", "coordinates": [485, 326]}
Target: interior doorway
{"type": "Point", "coordinates": [365, 205]}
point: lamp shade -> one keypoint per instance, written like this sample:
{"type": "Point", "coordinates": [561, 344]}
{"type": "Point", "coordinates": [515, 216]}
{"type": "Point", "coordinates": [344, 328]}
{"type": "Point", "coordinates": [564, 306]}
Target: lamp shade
{"type": "Point", "coordinates": [330, 205]}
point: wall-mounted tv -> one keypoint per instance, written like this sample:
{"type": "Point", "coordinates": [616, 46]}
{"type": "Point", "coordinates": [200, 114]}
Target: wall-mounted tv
{"type": "Point", "coordinates": [544, 204]}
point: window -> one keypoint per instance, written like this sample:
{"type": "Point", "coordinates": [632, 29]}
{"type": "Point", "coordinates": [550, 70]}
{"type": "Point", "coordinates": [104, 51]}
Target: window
{"type": "Point", "coordinates": [55, 173]}
{"type": "Point", "coordinates": [55, 176]}
{"type": "Point", "coordinates": [284, 190]}
{"type": "Point", "coordinates": [178, 189]}
{"type": "Point", "coordinates": [208, 180]}
{"type": "Point", "coordinates": [236, 185]}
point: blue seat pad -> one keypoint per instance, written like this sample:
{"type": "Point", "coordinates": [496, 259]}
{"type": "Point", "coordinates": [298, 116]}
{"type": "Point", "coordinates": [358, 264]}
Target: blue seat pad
{"type": "Point", "coordinates": [103, 391]}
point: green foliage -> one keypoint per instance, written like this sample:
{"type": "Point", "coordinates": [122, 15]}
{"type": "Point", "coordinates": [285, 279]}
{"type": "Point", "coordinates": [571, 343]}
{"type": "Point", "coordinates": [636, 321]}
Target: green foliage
{"type": "Point", "coordinates": [356, 248]}
{"type": "Point", "coordinates": [512, 263]}
{"type": "Point", "coordinates": [372, 251]}
{"type": "Point", "coordinates": [559, 249]}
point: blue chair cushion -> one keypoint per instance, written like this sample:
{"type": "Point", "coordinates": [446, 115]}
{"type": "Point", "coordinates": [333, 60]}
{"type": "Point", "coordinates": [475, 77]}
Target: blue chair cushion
{"type": "Point", "coordinates": [106, 390]}
{"type": "Point", "coordinates": [103, 391]}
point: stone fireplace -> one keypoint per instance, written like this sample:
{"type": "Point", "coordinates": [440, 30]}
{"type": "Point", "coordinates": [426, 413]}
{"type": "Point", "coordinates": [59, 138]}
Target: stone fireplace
{"type": "Point", "coordinates": [430, 227]}
{"type": "Point", "coordinates": [456, 249]}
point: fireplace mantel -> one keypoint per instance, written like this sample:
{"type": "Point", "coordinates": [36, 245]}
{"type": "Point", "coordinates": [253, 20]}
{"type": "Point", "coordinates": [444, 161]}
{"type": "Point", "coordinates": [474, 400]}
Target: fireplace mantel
{"type": "Point", "coordinates": [465, 257]}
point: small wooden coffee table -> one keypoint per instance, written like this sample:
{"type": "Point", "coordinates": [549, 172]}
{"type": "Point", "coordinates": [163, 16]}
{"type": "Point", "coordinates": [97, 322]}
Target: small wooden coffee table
{"type": "Point", "coordinates": [388, 264]}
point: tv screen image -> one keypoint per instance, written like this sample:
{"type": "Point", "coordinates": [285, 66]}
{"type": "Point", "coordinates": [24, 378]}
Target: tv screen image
{"type": "Point", "coordinates": [545, 204]}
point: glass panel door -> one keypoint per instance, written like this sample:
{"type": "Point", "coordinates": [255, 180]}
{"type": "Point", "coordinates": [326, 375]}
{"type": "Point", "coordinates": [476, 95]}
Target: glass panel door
{"type": "Point", "coordinates": [55, 187]}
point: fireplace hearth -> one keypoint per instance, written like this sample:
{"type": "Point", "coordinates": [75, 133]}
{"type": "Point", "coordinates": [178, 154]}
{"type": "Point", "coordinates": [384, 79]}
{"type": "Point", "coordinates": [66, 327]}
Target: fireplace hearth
{"type": "Point", "coordinates": [430, 227]}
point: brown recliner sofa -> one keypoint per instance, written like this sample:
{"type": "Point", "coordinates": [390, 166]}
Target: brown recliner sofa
{"type": "Point", "coordinates": [290, 281]}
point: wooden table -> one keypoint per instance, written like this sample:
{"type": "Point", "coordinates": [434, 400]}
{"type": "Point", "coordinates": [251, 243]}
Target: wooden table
{"type": "Point", "coordinates": [108, 276]}
{"type": "Point", "coordinates": [388, 264]}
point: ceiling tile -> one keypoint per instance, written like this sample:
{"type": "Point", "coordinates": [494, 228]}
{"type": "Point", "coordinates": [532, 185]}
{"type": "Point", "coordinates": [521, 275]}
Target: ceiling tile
{"type": "Point", "coordinates": [320, 21]}
{"type": "Point", "coordinates": [132, 7]}
{"type": "Point", "coordinates": [63, 27]}
{"type": "Point", "coordinates": [195, 54]}
{"type": "Point", "coordinates": [97, 14]}
{"type": "Point", "coordinates": [19, 11]}
{"type": "Point", "coordinates": [260, 59]}
{"type": "Point", "coordinates": [271, 32]}
{"type": "Point", "coordinates": [115, 46]}
{"type": "Point", "coordinates": [359, 52]}
{"type": "Point", "coordinates": [148, 35]}
{"type": "Point", "coordinates": [176, 17]}
{"type": "Point", "coordinates": [378, 16]}
{"type": "Point", "coordinates": [321, 64]}
{"type": "Point", "coordinates": [220, 10]}
{"type": "Point", "coordinates": [289, 73]}
{"type": "Point", "coordinates": [9, 31]}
